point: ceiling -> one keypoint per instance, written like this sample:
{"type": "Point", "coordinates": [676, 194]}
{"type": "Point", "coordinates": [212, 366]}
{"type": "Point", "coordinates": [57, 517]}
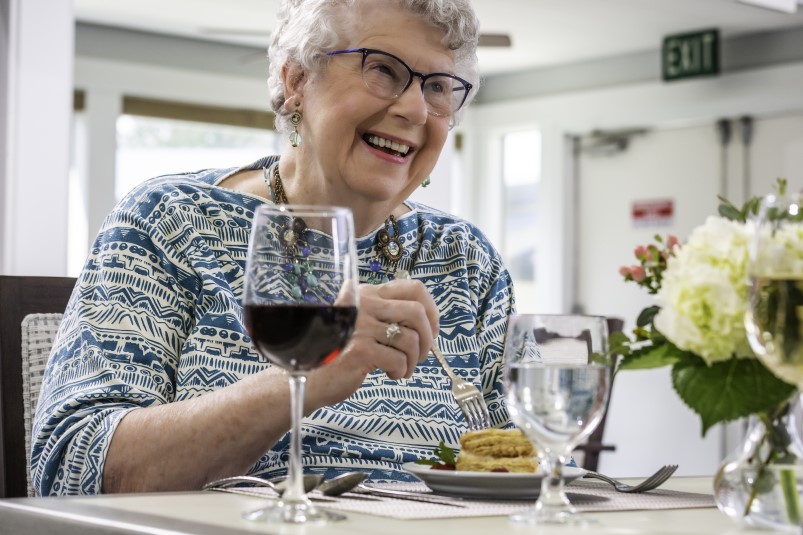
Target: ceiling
{"type": "Point", "coordinates": [543, 32]}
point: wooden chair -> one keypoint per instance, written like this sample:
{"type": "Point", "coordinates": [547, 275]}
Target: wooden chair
{"type": "Point", "coordinates": [19, 297]}
{"type": "Point", "coordinates": [594, 446]}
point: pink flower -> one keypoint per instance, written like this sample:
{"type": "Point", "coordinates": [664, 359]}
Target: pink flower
{"type": "Point", "coordinates": [624, 271]}
{"type": "Point", "coordinates": [671, 241]}
{"type": "Point", "coordinates": [638, 273]}
{"type": "Point", "coordinates": [640, 252]}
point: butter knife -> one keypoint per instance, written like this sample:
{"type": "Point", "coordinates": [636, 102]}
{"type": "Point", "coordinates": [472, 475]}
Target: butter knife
{"type": "Point", "coordinates": [407, 495]}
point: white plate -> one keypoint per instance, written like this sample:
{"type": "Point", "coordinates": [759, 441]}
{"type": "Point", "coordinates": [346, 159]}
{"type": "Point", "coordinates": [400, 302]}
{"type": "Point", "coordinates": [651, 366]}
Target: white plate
{"type": "Point", "coordinates": [485, 485]}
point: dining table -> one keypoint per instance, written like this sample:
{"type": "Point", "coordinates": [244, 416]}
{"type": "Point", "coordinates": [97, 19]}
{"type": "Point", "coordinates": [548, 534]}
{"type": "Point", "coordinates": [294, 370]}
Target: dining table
{"type": "Point", "coordinates": [204, 512]}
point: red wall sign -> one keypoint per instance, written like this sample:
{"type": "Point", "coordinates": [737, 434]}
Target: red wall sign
{"type": "Point", "coordinates": [652, 213]}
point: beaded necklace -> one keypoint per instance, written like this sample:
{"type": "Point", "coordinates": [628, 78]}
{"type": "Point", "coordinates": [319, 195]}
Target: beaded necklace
{"type": "Point", "coordinates": [388, 245]}
{"type": "Point", "coordinates": [305, 285]}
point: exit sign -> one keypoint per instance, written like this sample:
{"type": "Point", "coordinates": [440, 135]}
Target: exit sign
{"type": "Point", "coordinates": [688, 55]}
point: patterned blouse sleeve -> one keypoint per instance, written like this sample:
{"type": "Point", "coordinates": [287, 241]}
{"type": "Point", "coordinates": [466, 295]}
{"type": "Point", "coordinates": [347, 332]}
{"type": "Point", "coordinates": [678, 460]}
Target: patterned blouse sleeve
{"type": "Point", "coordinates": [496, 303]}
{"type": "Point", "coordinates": [117, 350]}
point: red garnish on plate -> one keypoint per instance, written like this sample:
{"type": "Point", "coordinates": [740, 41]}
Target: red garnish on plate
{"type": "Point", "coordinates": [443, 467]}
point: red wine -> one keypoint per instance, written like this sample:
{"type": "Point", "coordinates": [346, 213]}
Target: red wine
{"type": "Point", "coordinates": [299, 337]}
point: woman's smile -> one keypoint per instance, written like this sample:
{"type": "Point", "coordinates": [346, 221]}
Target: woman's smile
{"type": "Point", "coordinates": [387, 149]}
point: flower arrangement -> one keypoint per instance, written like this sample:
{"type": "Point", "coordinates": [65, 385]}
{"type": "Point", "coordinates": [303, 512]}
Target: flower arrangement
{"type": "Point", "coordinates": [697, 324]}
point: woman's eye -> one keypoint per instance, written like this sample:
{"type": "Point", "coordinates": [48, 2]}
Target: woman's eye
{"type": "Point", "coordinates": [382, 69]}
{"type": "Point", "coordinates": [436, 87]}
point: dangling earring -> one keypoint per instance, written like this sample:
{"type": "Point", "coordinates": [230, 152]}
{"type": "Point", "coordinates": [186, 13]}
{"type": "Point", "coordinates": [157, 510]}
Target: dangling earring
{"type": "Point", "coordinates": [426, 182]}
{"type": "Point", "coordinates": [295, 137]}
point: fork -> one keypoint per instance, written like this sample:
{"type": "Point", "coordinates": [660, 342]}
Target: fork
{"type": "Point", "coordinates": [468, 397]}
{"type": "Point", "coordinates": [654, 481]}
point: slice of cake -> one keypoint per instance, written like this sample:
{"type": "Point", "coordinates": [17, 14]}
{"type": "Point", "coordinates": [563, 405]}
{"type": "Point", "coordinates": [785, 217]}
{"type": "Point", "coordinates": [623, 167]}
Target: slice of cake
{"type": "Point", "coordinates": [496, 450]}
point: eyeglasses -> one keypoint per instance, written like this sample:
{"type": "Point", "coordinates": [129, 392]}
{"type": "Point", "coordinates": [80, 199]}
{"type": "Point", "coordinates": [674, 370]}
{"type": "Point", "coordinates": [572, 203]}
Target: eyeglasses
{"type": "Point", "coordinates": [386, 76]}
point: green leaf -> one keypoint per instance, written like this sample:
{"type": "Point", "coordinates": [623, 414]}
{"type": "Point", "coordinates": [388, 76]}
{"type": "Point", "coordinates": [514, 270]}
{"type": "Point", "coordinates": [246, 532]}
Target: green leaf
{"type": "Point", "coordinates": [619, 344]}
{"type": "Point", "coordinates": [779, 438]}
{"type": "Point", "coordinates": [751, 207]}
{"type": "Point", "coordinates": [729, 211]}
{"type": "Point", "coordinates": [765, 481]}
{"type": "Point", "coordinates": [727, 390]}
{"type": "Point", "coordinates": [647, 315]}
{"type": "Point", "coordinates": [781, 184]}
{"type": "Point", "coordinates": [654, 356]}
{"type": "Point", "coordinates": [446, 454]}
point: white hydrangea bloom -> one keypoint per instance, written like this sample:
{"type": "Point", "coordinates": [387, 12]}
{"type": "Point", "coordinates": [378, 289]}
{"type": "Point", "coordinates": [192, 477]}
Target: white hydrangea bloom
{"type": "Point", "coordinates": [703, 296]}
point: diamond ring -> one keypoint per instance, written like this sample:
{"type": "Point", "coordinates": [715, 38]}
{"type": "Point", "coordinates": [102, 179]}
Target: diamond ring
{"type": "Point", "coordinates": [392, 331]}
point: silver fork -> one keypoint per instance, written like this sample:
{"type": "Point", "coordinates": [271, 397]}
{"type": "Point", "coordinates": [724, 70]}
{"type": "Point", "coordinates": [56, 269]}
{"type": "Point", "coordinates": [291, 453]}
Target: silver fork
{"type": "Point", "coordinates": [468, 397]}
{"type": "Point", "coordinates": [654, 481]}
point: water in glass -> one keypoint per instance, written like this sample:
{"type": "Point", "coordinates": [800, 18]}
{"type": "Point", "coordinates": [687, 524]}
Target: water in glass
{"type": "Point", "coordinates": [557, 376]}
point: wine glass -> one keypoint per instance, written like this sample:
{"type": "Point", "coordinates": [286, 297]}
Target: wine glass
{"type": "Point", "coordinates": [299, 307]}
{"type": "Point", "coordinates": [774, 317]}
{"type": "Point", "coordinates": [557, 376]}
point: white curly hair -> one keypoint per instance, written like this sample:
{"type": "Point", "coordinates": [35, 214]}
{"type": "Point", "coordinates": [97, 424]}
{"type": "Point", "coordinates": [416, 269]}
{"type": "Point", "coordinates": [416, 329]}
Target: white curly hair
{"type": "Point", "coordinates": [307, 28]}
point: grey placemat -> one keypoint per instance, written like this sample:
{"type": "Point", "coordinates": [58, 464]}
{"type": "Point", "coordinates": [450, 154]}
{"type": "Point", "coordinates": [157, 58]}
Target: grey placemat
{"type": "Point", "coordinates": [586, 496]}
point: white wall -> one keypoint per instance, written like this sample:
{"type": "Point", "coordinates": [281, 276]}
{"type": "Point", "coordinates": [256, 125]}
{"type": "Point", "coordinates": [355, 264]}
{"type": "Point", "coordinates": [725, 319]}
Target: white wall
{"type": "Point", "coordinates": [37, 64]}
{"type": "Point", "coordinates": [769, 90]}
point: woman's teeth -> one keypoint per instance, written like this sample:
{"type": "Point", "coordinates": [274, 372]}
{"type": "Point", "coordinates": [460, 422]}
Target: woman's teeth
{"type": "Point", "coordinates": [383, 143]}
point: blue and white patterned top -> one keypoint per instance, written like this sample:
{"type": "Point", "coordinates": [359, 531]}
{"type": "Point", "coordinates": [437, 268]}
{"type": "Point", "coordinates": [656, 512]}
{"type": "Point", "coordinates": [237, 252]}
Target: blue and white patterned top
{"type": "Point", "coordinates": [156, 317]}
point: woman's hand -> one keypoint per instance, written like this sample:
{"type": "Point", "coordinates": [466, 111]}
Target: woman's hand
{"type": "Point", "coordinates": [374, 346]}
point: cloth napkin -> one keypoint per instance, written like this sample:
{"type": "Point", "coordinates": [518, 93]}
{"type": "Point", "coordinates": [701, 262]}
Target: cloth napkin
{"type": "Point", "coordinates": [586, 496]}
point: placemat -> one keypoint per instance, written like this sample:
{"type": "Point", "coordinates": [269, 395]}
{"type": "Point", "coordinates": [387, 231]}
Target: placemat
{"type": "Point", "coordinates": [586, 496]}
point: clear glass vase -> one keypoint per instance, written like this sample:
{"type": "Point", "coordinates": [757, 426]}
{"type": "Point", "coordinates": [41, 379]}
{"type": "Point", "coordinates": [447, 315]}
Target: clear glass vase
{"type": "Point", "coordinates": [761, 483]}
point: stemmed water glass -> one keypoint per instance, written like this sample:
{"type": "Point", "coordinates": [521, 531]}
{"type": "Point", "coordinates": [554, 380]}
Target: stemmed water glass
{"type": "Point", "coordinates": [774, 318]}
{"type": "Point", "coordinates": [774, 326]}
{"type": "Point", "coordinates": [557, 376]}
{"type": "Point", "coordinates": [300, 307]}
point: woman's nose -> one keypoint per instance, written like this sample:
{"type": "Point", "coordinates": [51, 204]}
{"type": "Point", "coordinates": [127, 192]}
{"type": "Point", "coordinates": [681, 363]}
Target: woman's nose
{"type": "Point", "coordinates": [411, 104]}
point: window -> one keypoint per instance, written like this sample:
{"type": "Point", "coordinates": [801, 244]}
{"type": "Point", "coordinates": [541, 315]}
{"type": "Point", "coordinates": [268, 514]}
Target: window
{"type": "Point", "coordinates": [153, 137]}
{"type": "Point", "coordinates": [151, 146]}
{"type": "Point", "coordinates": [521, 173]}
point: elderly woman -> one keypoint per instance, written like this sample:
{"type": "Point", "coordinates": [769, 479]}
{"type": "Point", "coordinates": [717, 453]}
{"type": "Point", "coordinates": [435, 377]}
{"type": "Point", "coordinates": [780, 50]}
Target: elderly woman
{"type": "Point", "coordinates": [153, 383]}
